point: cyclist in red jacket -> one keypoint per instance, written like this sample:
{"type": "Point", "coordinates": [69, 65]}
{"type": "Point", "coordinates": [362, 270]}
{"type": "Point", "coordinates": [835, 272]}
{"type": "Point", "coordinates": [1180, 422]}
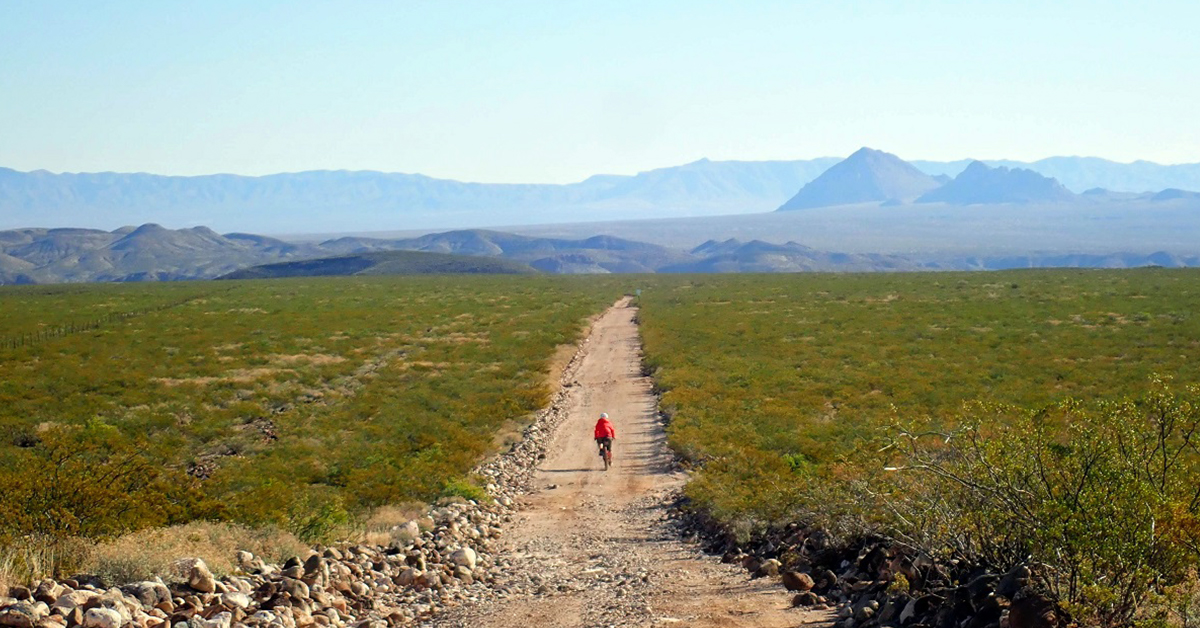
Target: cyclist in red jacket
{"type": "Point", "coordinates": [605, 434]}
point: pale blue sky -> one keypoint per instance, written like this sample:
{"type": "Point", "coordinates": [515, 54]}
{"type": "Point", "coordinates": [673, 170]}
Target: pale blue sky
{"type": "Point", "coordinates": [556, 91]}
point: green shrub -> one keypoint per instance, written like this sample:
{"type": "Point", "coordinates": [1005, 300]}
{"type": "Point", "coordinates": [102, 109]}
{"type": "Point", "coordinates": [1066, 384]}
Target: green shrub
{"type": "Point", "coordinates": [782, 392]}
{"type": "Point", "coordinates": [1105, 503]}
{"type": "Point", "coordinates": [90, 482]}
{"type": "Point", "coordinates": [322, 520]}
{"type": "Point", "coordinates": [466, 489]}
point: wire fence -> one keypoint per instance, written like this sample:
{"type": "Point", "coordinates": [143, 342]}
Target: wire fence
{"type": "Point", "coordinates": [28, 339]}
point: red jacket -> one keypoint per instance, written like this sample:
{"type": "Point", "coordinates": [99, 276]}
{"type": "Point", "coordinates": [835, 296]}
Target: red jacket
{"type": "Point", "coordinates": [604, 429]}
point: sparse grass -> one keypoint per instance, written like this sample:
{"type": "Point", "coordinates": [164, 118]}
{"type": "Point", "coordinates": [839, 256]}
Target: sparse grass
{"type": "Point", "coordinates": [379, 527]}
{"type": "Point", "coordinates": [35, 557]}
{"type": "Point", "coordinates": [151, 553]}
{"type": "Point", "coordinates": [29, 309]}
{"type": "Point", "coordinates": [144, 554]}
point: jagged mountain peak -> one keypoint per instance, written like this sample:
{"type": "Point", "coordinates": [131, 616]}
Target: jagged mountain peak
{"type": "Point", "coordinates": [981, 183]}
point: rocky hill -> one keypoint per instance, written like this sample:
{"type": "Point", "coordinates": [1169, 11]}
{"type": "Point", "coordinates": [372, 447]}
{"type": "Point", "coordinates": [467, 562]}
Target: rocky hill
{"type": "Point", "coordinates": [866, 176]}
{"type": "Point", "coordinates": [146, 253]}
{"type": "Point", "coordinates": [153, 253]}
{"type": "Point", "coordinates": [733, 256]}
{"type": "Point", "coordinates": [384, 263]}
{"type": "Point", "coordinates": [980, 184]}
{"type": "Point", "coordinates": [589, 255]}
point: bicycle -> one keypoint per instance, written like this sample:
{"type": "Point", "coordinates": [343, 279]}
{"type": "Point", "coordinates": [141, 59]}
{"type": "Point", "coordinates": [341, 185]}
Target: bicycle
{"type": "Point", "coordinates": [605, 445]}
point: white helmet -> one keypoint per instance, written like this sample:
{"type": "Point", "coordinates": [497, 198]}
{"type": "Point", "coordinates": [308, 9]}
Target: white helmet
{"type": "Point", "coordinates": [604, 415]}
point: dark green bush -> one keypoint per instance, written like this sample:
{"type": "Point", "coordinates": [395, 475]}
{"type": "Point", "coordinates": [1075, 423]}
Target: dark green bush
{"type": "Point", "coordinates": [1105, 503]}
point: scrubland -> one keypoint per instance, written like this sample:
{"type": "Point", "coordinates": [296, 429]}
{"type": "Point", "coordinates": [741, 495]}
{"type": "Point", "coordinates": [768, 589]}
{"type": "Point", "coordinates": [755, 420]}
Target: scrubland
{"type": "Point", "coordinates": [303, 405]}
{"type": "Point", "coordinates": [1046, 418]}
{"type": "Point", "coordinates": [1039, 417]}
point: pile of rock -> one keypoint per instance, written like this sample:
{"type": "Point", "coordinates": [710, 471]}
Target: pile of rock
{"type": "Point", "coordinates": [873, 583]}
{"type": "Point", "coordinates": [437, 560]}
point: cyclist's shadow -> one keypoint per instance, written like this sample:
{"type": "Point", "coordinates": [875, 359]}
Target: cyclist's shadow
{"type": "Point", "coordinates": [579, 470]}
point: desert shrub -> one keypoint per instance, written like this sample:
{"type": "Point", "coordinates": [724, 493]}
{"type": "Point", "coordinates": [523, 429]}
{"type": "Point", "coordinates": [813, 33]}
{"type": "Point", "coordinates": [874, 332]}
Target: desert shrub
{"type": "Point", "coordinates": [465, 488]}
{"type": "Point", "coordinates": [88, 482]}
{"type": "Point", "coordinates": [1174, 606]}
{"type": "Point", "coordinates": [321, 518]}
{"type": "Point", "coordinates": [1103, 502]}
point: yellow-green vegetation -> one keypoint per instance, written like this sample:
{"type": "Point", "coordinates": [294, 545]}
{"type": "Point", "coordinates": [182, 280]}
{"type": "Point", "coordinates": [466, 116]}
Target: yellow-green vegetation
{"type": "Point", "coordinates": [154, 551]}
{"type": "Point", "coordinates": [299, 403]}
{"type": "Point", "coordinates": [1105, 501]}
{"type": "Point", "coordinates": [30, 313]}
{"type": "Point", "coordinates": [792, 371]}
{"type": "Point", "coordinates": [1018, 413]}
{"type": "Point", "coordinates": [146, 553]}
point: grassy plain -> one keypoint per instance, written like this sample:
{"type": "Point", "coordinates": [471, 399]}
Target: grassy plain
{"type": "Point", "coordinates": [307, 403]}
{"type": "Point", "coordinates": [299, 402]}
{"type": "Point", "coordinates": [769, 374]}
{"type": "Point", "coordinates": [28, 310]}
{"type": "Point", "coordinates": [1004, 418]}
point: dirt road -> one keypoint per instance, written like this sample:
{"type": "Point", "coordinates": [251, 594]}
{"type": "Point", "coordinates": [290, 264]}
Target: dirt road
{"type": "Point", "coordinates": [593, 547]}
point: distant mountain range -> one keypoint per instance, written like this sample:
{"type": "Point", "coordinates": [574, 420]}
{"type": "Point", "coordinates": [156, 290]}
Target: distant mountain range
{"type": "Point", "coordinates": [345, 201]}
{"type": "Point", "coordinates": [153, 253]}
{"type": "Point", "coordinates": [1084, 173]}
{"type": "Point", "coordinates": [872, 176]}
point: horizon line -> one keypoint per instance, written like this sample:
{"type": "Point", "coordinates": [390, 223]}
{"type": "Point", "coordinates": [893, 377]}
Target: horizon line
{"type": "Point", "coordinates": [589, 177]}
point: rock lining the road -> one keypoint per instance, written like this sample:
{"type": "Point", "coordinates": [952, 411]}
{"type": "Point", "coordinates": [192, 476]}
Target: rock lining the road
{"type": "Point", "coordinates": [871, 582]}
